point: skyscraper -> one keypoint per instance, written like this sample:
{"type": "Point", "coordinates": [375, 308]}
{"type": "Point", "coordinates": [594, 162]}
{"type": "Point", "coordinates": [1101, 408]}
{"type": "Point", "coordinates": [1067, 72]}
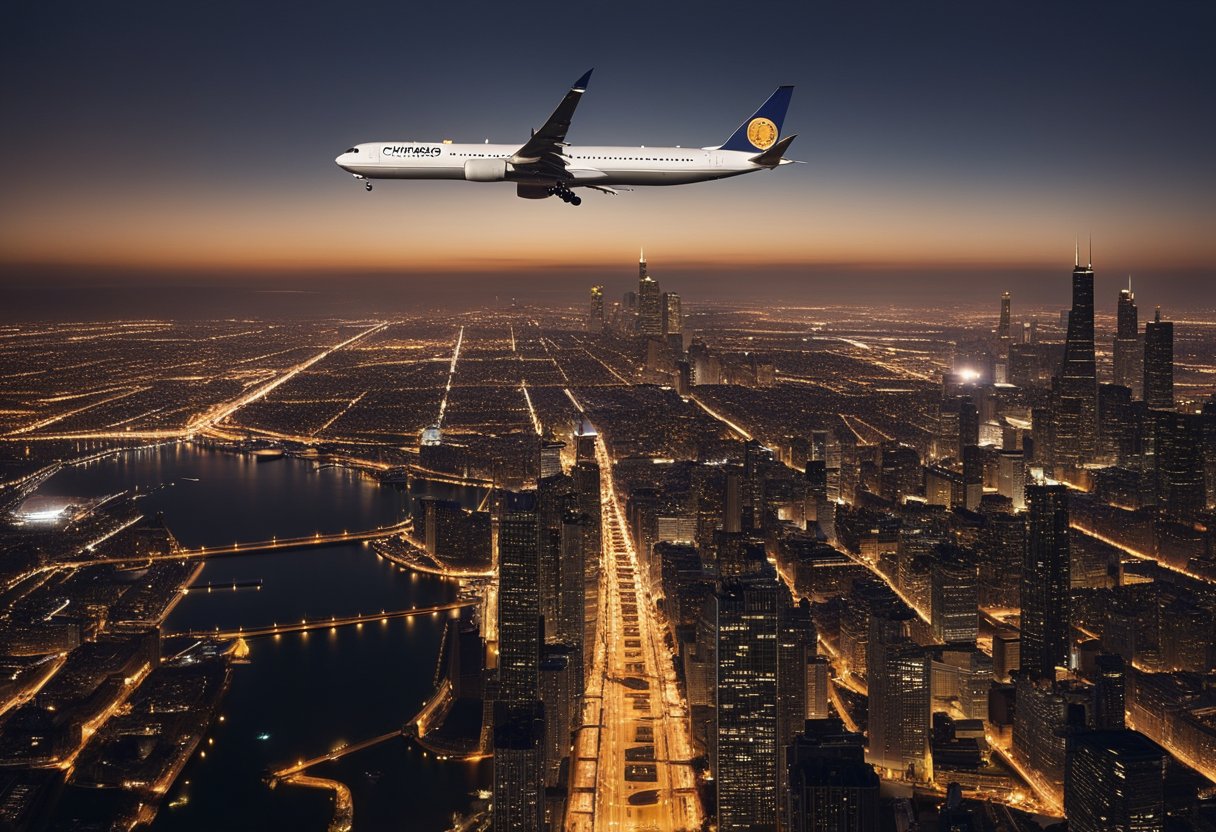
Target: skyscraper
{"type": "Point", "coordinates": [1077, 401]}
{"type": "Point", "coordinates": [1115, 781]}
{"type": "Point", "coordinates": [1046, 581]}
{"type": "Point", "coordinates": [673, 317]}
{"type": "Point", "coordinates": [1129, 356]}
{"type": "Point", "coordinates": [1003, 330]}
{"type": "Point", "coordinates": [898, 675]}
{"type": "Point", "coordinates": [832, 788]}
{"type": "Point", "coordinates": [595, 321]}
{"type": "Point", "coordinates": [1110, 683]}
{"type": "Point", "coordinates": [519, 621]}
{"type": "Point", "coordinates": [519, 732]}
{"type": "Point", "coordinates": [650, 302]}
{"type": "Point", "coordinates": [1159, 363]}
{"type": "Point", "coordinates": [955, 593]}
{"type": "Point", "coordinates": [746, 758]}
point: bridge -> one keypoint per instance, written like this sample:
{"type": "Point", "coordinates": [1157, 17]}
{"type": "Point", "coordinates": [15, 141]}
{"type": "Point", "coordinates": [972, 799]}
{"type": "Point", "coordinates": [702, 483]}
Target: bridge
{"type": "Point", "coordinates": [276, 544]}
{"type": "Point", "coordinates": [333, 622]}
{"type": "Point", "coordinates": [416, 727]}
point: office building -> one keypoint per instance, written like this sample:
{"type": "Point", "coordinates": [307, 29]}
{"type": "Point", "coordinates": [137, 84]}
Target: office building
{"type": "Point", "coordinates": [1115, 783]}
{"type": "Point", "coordinates": [673, 317]}
{"type": "Point", "coordinates": [955, 595]}
{"type": "Point", "coordinates": [519, 617]}
{"type": "Point", "coordinates": [1077, 398]}
{"type": "Point", "coordinates": [595, 320]}
{"type": "Point", "coordinates": [650, 303]}
{"type": "Point", "coordinates": [898, 675]}
{"type": "Point", "coordinates": [1129, 356]}
{"type": "Point", "coordinates": [832, 788]}
{"type": "Point", "coordinates": [1159, 363]}
{"type": "Point", "coordinates": [746, 747]}
{"type": "Point", "coordinates": [1046, 581]}
{"type": "Point", "coordinates": [519, 731]}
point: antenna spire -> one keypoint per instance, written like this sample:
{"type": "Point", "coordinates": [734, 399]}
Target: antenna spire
{"type": "Point", "coordinates": [1091, 251]}
{"type": "Point", "coordinates": [1076, 257]}
{"type": "Point", "coordinates": [642, 255]}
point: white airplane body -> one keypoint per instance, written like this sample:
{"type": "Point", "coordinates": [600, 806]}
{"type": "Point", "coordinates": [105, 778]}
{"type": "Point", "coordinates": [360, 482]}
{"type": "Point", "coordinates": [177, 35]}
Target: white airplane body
{"type": "Point", "coordinates": [547, 166]}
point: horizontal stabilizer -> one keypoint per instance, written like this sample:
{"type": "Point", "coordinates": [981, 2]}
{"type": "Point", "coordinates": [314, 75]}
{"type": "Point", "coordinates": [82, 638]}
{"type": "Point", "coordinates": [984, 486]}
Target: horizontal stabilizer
{"type": "Point", "coordinates": [775, 154]}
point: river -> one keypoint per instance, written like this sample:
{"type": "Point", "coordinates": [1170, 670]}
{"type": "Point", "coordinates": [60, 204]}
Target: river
{"type": "Point", "coordinates": [301, 694]}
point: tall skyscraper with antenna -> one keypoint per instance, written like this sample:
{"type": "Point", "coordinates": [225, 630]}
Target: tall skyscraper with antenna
{"type": "Point", "coordinates": [1003, 330]}
{"type": "Point", "coordinates": [1077, 400]}
{"type": "Point", "coordinates": [650, 302]}
{"type": "Point", "coordinates": [1128, 355]}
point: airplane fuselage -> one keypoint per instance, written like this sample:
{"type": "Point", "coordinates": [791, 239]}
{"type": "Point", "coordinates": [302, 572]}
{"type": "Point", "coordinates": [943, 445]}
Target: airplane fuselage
{"type": "Point", "coordinates": [605, 166]}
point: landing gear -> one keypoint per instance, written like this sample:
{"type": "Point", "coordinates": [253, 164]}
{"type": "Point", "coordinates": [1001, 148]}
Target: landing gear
{"type": "Point", "coordinates": [368, 186]}
{"type": "Point", "coordinates": [565, 195]}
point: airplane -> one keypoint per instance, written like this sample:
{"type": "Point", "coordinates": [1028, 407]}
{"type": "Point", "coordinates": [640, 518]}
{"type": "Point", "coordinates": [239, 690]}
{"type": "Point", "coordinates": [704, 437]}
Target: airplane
{"type": "Point", "coordinates": [546, 165]}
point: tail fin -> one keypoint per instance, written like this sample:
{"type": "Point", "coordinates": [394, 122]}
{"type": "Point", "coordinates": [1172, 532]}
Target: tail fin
{"type": "Point", "coordinates": [775, 155]}
{"type": "Point", "coordinates": [761, 131]}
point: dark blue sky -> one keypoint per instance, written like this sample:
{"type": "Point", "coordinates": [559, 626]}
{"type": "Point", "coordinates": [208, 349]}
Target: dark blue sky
{"type": "Point", "coordinates": [202, 135]}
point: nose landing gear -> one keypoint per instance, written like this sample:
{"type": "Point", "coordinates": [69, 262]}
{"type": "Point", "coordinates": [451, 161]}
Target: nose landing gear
{"type": "Point", "coordinates": [565, 195]}
{"type": "Point", "coordinates": [368, 186]}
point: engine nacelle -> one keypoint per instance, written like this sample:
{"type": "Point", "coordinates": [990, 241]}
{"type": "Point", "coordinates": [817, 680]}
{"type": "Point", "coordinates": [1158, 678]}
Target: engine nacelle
{"type": "Point", "coordinates": [485, 170]}
{"type": "Point", "coordinates": [533, 191]}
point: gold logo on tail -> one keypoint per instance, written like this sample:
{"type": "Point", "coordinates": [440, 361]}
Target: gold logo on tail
{"type": "Point", "coordinates": [762, 133]}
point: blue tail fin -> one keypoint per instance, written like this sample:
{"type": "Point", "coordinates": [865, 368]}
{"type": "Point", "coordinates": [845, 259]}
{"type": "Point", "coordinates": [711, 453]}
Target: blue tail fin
{"type": "Point", "coordinates": [761, 131]}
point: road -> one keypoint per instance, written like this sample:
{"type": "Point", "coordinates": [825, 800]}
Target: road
{"type": "Point", "coordinates": [640, 738]}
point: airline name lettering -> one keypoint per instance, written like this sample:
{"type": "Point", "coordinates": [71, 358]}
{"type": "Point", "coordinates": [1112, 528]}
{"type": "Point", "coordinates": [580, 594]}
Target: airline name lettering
{"type": "Point", "coordinates": [410, 150]}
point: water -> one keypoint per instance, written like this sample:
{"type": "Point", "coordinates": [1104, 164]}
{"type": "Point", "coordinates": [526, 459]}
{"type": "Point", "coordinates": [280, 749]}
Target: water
{"type": "Point", "coordinates": [307, 692]}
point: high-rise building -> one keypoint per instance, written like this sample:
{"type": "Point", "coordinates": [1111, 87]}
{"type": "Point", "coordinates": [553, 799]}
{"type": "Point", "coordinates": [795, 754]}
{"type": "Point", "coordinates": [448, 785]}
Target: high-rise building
{"type": "Point", "coordinates": [557, 671]}
{"type": "Point", "coordinates": [519, 617]}
{"type": "Point", "coordinates": [673, 317]}
{"type": "Point", "coordinates": [1129, 356]}
{"type": "Point", "coordinates": [832, 788]}
{"type": "Point", "coordinates": [1003, 330]}
{"type": "Point", "coordinates": [1115, 781]}
{"type": "Point", "coordinates": [1110, 696]}
{"type": "Point", "coordinates": [1077, 400]}
{"type": "Point", "coordinates": [1180, 464]}
{"type": "Point", "coordinates": [550, 464]}
{"type": "Point", "coordinates": [519, 732]}
{"type": "Point", "coordinates": [1208, 417]}
{"type": "Point", "coordinates": [650, 302]}
{"type": "Point", "coordinates": [1046, 581]}
{"type": "Point", "coordinates": [955, 606]}
{"type": "Point", "coordinates": [585, 437]}
{"type": "Point", "coordinates": [1159, 363]}
{"type": "Point", "coordinates": [586, 476]}
{"type": "Point", "coordinates": [746, 747]}
{"type": "Point", "coordinates": [898, 674]}
{"type": "Point", "coordinates": [595, 320]}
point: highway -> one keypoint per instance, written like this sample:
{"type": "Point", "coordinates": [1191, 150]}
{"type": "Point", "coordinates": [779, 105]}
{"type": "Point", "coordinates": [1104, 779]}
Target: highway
{"type": "Point", "coordinates": [331, 623]}
{"type": "Point", "coordinates": [642, 777]}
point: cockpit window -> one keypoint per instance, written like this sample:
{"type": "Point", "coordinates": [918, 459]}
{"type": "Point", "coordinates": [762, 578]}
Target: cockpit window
{"type": "Point", "coordinates": [350, 150]}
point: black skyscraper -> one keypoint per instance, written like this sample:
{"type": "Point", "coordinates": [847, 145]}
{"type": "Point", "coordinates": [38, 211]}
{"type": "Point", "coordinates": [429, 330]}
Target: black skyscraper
{"type": "Point", "coordinates": [1046, 581]}
{"type": "Point", "coordinates": [1159, 363]}
{"type": "Point", "coordinates": [1129, 357]}
{"type": "Point", "coordinates": [519, 620]}
{"type": "Point", "coordinates": [1077, 405]}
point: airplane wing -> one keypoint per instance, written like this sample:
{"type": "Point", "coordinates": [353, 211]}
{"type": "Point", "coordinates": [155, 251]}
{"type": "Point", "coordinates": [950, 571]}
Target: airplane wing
{"type": "Point", "coordinates": [542, 154]}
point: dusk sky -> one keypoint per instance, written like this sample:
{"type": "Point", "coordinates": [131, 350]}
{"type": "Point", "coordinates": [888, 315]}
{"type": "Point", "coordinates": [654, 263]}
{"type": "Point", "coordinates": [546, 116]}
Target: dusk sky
{"type": "Point", "coordinates": [201, 136]}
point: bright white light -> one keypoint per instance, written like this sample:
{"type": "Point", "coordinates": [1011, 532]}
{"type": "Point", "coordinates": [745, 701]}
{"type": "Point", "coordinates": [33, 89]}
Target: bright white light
{"type": "Point", "coordinates": [969, 374]}
{"type": "Point", "coordinates": [44, 516]}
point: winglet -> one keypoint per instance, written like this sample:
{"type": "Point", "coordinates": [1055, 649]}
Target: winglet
{"type": "Point", "coordinates": [761, 131]}
{"type": "Point", "coordinates": [775, 155]}
{"type": "Point", "coordinates": [581, 83]}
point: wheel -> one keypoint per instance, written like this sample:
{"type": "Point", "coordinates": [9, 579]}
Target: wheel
{"type": "Point", "coordinates": [576, 200]}
{"type": "Point", "coordinates": [368, 186]}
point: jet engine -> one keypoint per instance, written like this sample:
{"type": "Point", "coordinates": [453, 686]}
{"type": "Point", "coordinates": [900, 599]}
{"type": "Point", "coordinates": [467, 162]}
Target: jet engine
{"type": "Point", "coordinates": [485, 170]}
